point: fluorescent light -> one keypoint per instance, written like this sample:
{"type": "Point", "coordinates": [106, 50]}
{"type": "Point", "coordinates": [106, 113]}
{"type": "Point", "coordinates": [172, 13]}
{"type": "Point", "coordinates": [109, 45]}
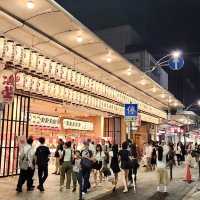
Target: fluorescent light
{"type": "Point", "coordinates": [30, 4]}
{"type": "Point", "coordinates": [163, 95]}
{"type": "Point", "coordinates": [143, 82]}
{"type": "Point", "coordinates": [129, 71]}
{"type": "Point", "coordinates": [175, 104]}
{"type": "Point", "coordinates": [170, 100]}
{"type": "Point", "coordinates": [154, 89]}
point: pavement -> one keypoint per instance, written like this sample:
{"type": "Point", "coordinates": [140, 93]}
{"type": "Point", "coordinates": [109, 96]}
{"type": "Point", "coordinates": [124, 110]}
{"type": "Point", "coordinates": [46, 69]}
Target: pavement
{"type": "Point", "coordinates": [146, 189]}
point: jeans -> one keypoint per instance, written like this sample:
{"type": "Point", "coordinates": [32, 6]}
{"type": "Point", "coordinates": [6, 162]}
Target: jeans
{"type": "Point", "coordinates": [25, 175]}
{"type": "Point", "coordinates": [42, 174]}
{"type": "Point", "coordinates": [76, 177]}
{"type": "Point", "coordinates": [86, 180]}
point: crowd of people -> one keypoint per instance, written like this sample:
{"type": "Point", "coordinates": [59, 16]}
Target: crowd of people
{"type": "Point", "coordinates": [81, 164]}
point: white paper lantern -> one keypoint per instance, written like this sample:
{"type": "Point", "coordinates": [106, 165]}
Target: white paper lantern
{"type": "Point", "coordinates": [20, 81]}
{"type": "Point", "coordinates": [73, 77]}
{"type": "Point", "coordinates": [78, 79]}
{"type": "Point", "coordinates": [46, 66]}
{"type": "Point", "coordinates": [26, 58]}
{"type": "Point", "coordinates": [53, 66]}
{"type": "Point", "coordinates": [58, 72]}
{"type": "Point", "coordinates": [82, 82]}
{"type": "Point", "coordinates": [52, 90]}
{"type": "Point", "coordinates": [27, 83]}
{"type": "Point", "coordinates": [62, 92]}
{"type": "Point", "coordinates": [34, 82]}
{"type": "Point", "coordinates": [69, 75]}
{"type": "Point", "coordinates": [46, 88]}
{"type": "Point", "coordinates": [7, 86]}
{"type": "Point", "coordinates": [33, 61]}
{"type": "Point", "coordinates": [2, 46]}
{"type": "Point", "coordinates": [63, 74]}
{"type": "Point", "coordinates": [41, 86]}
{"type": "Point", "coordinates": [57, 91]}
{"type": "Point", "coordinates": [9, 51]}
{"type": "Point", "coordinates": [40, 64]}
{"type": "Point", "coordinates": [18, 53]}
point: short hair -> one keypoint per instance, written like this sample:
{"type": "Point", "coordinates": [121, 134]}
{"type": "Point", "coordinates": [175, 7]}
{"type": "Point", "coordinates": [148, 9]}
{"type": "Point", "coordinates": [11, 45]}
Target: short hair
{"type": "Point", "coordinates": [42, 140]}
{"type": "Point", "coordinates": [30, 140]}
{"type": "Point", "coordinates": [124, 145]}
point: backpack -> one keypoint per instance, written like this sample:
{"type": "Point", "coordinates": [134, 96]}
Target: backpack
{"type": "Point", "coordinates": [24, 162]}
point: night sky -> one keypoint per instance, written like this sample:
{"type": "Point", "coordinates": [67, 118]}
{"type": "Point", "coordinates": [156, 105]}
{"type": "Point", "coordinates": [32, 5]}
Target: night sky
{"type": "Point", "coordinates": [164, 25]}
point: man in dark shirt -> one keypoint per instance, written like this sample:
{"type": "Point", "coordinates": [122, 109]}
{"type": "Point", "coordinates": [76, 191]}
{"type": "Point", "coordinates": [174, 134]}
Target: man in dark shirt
{"type": "Point", "coordinates": [42, 158]}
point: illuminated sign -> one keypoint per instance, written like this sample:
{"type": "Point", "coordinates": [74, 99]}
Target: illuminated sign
{"type": "Point", "coordinates": [77, 125]}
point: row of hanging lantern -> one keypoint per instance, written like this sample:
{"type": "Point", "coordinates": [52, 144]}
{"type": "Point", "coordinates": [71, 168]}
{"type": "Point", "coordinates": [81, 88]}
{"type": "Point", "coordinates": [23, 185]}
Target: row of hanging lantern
{"type": "Point", "coordinates": [52, 90]}
{"type": "Point", "coordinates": [34, 62]}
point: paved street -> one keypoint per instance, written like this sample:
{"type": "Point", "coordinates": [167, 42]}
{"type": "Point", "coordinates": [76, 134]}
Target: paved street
{"type": "Point", "coordinates": [146, 189]}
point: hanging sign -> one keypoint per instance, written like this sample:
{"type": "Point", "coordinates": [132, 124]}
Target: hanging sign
{"type": "Point", "coordinates": [77, 125]}
{"type": "Point", "coordinates": [7, 86]}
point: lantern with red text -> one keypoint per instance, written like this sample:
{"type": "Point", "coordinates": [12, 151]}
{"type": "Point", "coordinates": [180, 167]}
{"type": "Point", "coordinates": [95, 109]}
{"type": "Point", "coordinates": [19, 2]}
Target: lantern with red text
{"type": "Point", "coordinates": [7, 86]}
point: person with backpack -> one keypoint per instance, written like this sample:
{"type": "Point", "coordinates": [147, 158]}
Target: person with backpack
{"type": "Point", "coordinates": [26, 164]}
{"type": "Point", "coordinates": [42, 158]}
{"type": "Point", "coordinates": [66, 166]}
{"type": "Point", "coordinates": [86, 166]}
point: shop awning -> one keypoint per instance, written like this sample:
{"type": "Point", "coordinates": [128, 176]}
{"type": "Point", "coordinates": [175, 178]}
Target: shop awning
{"type": "Point", "coordinates": [51, 30]}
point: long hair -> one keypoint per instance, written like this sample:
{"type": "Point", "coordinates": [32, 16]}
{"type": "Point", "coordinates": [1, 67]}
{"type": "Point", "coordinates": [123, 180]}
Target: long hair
{"type": "Point", "coordinates": [160, 153]}
{"type": "Point", "coordinates": [115, 150]}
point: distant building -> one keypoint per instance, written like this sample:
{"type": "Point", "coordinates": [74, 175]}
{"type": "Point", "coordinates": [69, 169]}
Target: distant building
{"type": "Point", "coordinates": [128, 42]}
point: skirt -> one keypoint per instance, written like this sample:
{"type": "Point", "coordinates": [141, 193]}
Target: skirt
{"type": "Point", "coordinates": [97, 165]}
{"type": "Point", "coordinates": [125, 165]}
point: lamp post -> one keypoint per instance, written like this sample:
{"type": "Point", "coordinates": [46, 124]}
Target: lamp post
{"type": "Point", "coordinates": [163, 62]}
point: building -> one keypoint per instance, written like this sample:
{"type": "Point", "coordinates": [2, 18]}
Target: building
{"type": "Point", "coordinates": [59, 80]}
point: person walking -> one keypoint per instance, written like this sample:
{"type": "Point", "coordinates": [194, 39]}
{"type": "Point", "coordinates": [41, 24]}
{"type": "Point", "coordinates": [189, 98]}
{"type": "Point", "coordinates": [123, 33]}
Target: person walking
{"type": "Point", "coordinates": [162, 173]}
{"type": "Point", "coordinates": [170, 160]}
{"type": "Point", "coordinates": [153, 156]}
{"type": "Point", "coordinates": [132, 176]}
{"type": "Point", "coordinates": [76, 169]}
{"type": "Point", "coordinates": [99, 163]}
{"type": "Point", "coordinates": [125, 157]}
{"type": "Point", "coordinates": [86, 167]}
{"type": "Point", "coordinates": [42, 158]}
{"type": "Point", "coordinates": [114, 164]}
{"type": "Point", "coordinates": [57, 156]}
{"type": "Point", "coordinates": [178, 153]}
{"type": "Point", "coordinates": [27, 166]}
{"type": "Point", "coordinates": [66, 167]}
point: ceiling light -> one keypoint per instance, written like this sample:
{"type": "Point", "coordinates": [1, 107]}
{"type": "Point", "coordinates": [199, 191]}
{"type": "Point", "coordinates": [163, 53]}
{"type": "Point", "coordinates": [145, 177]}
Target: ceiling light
{"type": "Point", "coordinates": [198, 102]}
{"type": "Point", "coordinates": [170, 100]}
{"type": "Point", "coordinates": [79, 39]}
{"type": "Point", "coordinates": [30, 4]}
{"type": "Point", "coordinates": [108, 59]}
{"type": "Point", "coordinates": [154, 89]}
{"type": "Point", "coordinates": [176, 54]}
{"type": "Point", "coordinates": [175, 104]}
{"type": "Point", "coordinates": [143, 82]}
{"type": "Point", "coordinates": [129, 71]}
{"type": "Point", "coordinates": [163, 95]}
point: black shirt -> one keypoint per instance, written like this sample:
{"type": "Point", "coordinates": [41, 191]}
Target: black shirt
{"type": "Point", "coordinates": [124, 155]}
{"type": "Point", "coordinates": [42, 154]}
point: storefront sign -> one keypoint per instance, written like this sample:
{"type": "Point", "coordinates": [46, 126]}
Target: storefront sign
{"type": "Point", "coordinates": [77, 125]}
{"type": "Point", "coordinates": [44, 120]}
{"type": "Point", "coordinates": [7, 86]}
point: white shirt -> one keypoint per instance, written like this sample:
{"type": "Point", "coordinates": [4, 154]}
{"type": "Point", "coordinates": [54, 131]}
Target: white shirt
{"type": "Point", "coordinates": [100, 156]}
{"type": "Point", "coordinates": [28, 150]}
{"type": "Point", "coordinates": [68, 155]}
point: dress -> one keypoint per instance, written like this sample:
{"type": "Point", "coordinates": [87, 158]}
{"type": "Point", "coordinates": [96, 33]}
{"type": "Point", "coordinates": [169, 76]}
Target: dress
{"type": "Point", "coordinates": [125, 161]}
{"type": "Point", "coordinates": [114, 165]}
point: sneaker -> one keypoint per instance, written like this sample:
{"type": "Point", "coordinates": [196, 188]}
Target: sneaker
{"type": "Point", "coordinates": [74, 190]}
{"type": "Point", "coordinates": [40, 188]}
{"type": "Point", "coordinates": [83, 193]}
{"type": "Point", "coordinates": [89, 190]}
{"type": "Point", "coordinates": [125, 190]}
{"type": "Point", "coordinates": [61, 188]}
{"type": "Point", "coordinates": [30, 189]}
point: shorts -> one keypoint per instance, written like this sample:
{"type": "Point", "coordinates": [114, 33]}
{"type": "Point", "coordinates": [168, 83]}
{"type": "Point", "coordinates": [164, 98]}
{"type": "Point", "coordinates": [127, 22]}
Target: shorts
{"type": "Point", "coordinates": [162, 176]}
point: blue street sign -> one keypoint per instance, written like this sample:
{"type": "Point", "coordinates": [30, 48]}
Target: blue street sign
{"type": "Point", "coordinates": [176, 63]}
{"type": "Point", "coordinates": [131, 111]}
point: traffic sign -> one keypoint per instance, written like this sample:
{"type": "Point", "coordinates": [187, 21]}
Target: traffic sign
{"type": "Point", "coordinates": [176, 63]}
{"type": "Point", "coordinates": [131, 112]}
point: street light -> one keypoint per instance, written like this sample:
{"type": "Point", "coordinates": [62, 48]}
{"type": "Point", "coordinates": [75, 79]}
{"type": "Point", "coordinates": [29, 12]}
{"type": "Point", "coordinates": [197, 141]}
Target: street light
{"type": "Point", "coordinates": [163, 62]}
{"type": "Point", "coordinates": [196, 103]}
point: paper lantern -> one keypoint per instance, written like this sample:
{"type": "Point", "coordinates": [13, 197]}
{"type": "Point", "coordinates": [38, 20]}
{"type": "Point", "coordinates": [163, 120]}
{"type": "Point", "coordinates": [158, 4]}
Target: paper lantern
{"type": "Point", "coordinates": [27, 82]}
{"type": "Point", "coordinates": [2, 46]}
{"type": "Point", "coordinates": [78, 79]}
{"type": "Point", "coordinates": [18, 53]}
{"type": "Point", "coordinates": [82, 82]}
{"type": "Point", "coordinates": [57, 91]}
{"type": "Point", "coordinates": [69, 75]}
{"type": "Point", "coordinates": [41, 87]}
{"type": "Point", "coordinates": [58, 72]}
{"type": "Point", "coordinates": [40, 64]}
{"type": "Point", "coordinates": [64, 74]}
{"type": "Point", "coordinates": [52, 90]}
{"type": "Point", "coordinates": [33, 61]}
{"type": "Point", "coordinates": [7, 86]}
{"type": "Point", "coordinates": [9, 51]}
{"type": "Point", "coordinates": [26, 58]}
{"type": "Point", "coordinates": [53, 66]}
{"type": "Point", "coordinates": [62, 92]}
{"type": "Point", "coordinates": [46, 66]}
{"type": "Point", "coordinates": [46, 88]}
{"type": "Point", "coordinates": [20, 81]}
{"type": "Point", "coordinates": [33, 85]}
{"type": "Point", "coordinates": [73, 82]}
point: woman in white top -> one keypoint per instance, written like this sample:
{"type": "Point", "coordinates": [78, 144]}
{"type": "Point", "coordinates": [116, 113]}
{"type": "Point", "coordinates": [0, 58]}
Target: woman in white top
{"type": "Point", "coordinates": [98, 165]}
{"type": "Point", "coordinates": [178, 153]}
